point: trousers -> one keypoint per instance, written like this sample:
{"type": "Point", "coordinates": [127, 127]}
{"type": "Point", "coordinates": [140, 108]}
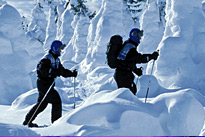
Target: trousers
{"type": "Point", "coordinates": [125, 79]}
{"type": "Point", "coordinates": [52, 97]}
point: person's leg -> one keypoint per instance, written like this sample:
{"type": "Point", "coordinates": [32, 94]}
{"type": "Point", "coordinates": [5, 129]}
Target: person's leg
{"type": "Point", "coordinates": [133, 88]}
{"type": "Point", "coordinates": [125, 79]}
{"type": "Point", "coordinates": [42, 88]}
{"type": "Point", "coordinates": [31, 114]}
{"type": "Point", "coordinates": [55, 100]}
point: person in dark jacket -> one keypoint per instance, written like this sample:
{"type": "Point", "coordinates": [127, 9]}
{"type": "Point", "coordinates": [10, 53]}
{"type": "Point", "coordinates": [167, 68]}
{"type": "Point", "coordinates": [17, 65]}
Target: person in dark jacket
{"type": "Point", "coordinates": [48, 69]}
{"type": "Point", "coordinates": [128, 58]}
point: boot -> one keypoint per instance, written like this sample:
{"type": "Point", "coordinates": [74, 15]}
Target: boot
{"type": "Point", "coordinates": [30, 124]}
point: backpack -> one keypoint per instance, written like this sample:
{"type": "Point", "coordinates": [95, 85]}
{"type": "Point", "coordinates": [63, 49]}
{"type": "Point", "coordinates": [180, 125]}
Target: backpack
{"type": "Point", "coordinates": [113, 48]}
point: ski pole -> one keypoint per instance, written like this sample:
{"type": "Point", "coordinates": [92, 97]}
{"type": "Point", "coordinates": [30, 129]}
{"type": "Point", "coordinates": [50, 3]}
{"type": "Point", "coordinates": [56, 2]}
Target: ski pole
{"type": "Point", "coordinates": [149, 81]}
{"type": "Point", "coordinates": [74, 90]}
{"type": "Point", "coordinates": [136, 84]}
{"type": "Point", "coordinates": [41, 101]}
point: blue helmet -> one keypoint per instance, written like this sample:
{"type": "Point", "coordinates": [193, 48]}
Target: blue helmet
{"type": "Point", "coordinates": [135, 34]}
{"type": "Point", "coordinates": [56, 44]}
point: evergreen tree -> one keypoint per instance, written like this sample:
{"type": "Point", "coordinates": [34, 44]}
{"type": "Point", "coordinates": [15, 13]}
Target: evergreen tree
{"type": "Point", "coordinates": [81, 9]}
{"type": "Point", "coordinates": [136, 7]}
{"type": "Point", "coordinates": [162, 5]}
{"type": "Point", "coordinates": [37, 26]}
{"type": "Point", "coordinates": [52, 23]}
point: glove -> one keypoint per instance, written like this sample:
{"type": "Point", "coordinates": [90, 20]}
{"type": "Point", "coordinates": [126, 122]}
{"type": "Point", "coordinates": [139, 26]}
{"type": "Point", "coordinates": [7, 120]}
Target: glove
{"type": "Point", "coordinates": [154, 55]}
{"type": "Point", "coordinates": [55, 73]}
{"type": "Point", "coordinates": [138, 71]}
{"type": "Point", "coordinates": [75, 73]}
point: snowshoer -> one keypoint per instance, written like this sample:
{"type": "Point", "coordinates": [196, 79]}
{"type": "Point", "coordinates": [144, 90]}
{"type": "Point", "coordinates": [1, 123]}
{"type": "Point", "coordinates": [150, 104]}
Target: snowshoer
{"type": "Point", "coordinates": [128, 58]}
{"type": "Point", "coordinates": [48, 69]}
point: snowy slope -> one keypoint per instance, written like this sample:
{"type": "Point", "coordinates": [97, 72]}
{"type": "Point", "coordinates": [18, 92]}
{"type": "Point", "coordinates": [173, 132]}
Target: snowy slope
{"type": "Point", "coordinates": [101, 108]}
{"type": "Point", "coordinates": [119, 112]}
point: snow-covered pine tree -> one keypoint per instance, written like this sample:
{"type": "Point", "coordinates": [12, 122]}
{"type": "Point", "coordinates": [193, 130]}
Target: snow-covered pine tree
{"type": "Point", "coordinates": [64, 27]}
{"type": "Point", "coordinates": [61, 8]}
{"type": "Point", "coordinates": [51, 30]}
{"type": "Point", "coordinates": [136, 8]}
{"type": "Point", "coordinates": [77, 47]}
{"type": "Point", "coordinates": [153, 24]}
{"type": "Point", "coordinates": [161, 5]}
{"type": "Point", "coordinates": [37, 26]}
{"type": "Point", "coordinates": [81, 9]}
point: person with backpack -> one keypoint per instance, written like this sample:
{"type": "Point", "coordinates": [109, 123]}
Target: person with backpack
{"type": "Point", "coordinates": [127, 59]}
{"type": "Point", "coordinates": [48, 69]}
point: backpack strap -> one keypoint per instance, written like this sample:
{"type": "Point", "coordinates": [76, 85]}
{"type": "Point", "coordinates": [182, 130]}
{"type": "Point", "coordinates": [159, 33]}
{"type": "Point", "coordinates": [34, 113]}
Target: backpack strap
{"type": "Point", "coordinates": [123, 53]}
{"type": "Point", "coordinates": [54, 63]}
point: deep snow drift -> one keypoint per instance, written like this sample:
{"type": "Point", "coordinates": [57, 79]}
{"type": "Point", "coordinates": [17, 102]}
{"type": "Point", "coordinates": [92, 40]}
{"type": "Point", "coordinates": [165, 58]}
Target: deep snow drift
{"type": "Point", "coordinates": [101, 108]}
{"type": "Point", "coordinates": [119, 112]}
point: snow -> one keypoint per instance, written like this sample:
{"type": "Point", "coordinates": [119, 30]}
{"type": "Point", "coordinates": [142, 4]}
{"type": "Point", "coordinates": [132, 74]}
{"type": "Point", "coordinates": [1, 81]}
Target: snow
{"type": "Point", "coordinates": [15, 130]}
{"type": "Point", "coordinates": [175, 104]}
{"type": "Point", "coordinates": [185, 30]}
{"type": "Point", "coordinates": [25, 10]}
{"type": "Point", "coordinates": [37, 27]}
{"type": "Point", "coordinates": [51, 29]}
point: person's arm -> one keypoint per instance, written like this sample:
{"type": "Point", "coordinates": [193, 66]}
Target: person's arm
{"type": "Point", "coordinates": [66, 72]}
{"type": "Point", "coordinates": [136, 57]}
